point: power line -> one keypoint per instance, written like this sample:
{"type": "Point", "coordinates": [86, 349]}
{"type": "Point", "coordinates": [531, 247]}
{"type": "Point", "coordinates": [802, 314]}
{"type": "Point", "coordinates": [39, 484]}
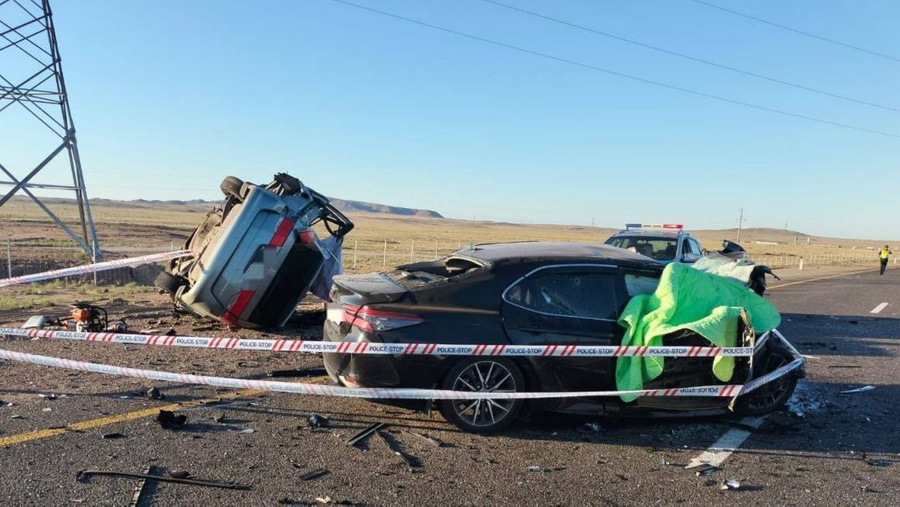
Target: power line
{"type": "Point", "coordinates": [800, 32]}
{"type": "Point", "coordinates": [689, 57]}
{"type": "Point", "coordinates": [614, 73]}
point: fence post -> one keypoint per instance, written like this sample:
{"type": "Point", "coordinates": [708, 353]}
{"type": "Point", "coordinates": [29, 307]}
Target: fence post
{"type": "Point", "coordinates": [9, 257]}
{"type": "Point", "coordinates": [412, 250]}
{"type": "Point", "coordinates": [801, 263]}
{"type": "Point", "coordinates": [355, 245]}
{"type": "Point", "coordinates": [435, 249]}
{"type": "Point", "coordinates": [384, 255]}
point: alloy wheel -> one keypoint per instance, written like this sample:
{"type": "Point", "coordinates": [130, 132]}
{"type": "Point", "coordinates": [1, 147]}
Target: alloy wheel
{"type": "Point", "coordinates": [484, 376]}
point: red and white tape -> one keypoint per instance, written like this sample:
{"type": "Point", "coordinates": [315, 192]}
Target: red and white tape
{"type": "Point", "coordinates": [93, 268]}
{"type": "Point", "coordinates": [369, 348]}
{"type": "Point", "coordinates": [351, 392]}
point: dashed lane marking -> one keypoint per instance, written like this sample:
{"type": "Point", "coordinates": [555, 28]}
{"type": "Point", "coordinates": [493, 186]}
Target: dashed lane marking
{"type": "Point", "coordinates": [726, 444]}
{"type": "Point", "coordinates": [878, 308]}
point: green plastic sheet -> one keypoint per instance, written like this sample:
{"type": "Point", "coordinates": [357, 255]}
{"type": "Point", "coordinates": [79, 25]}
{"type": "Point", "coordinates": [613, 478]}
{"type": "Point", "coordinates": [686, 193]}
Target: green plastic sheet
{"type": "Point", "coordinates": [686, 298]}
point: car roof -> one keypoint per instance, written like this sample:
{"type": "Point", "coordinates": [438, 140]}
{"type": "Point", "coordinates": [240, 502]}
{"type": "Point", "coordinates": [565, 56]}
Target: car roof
{"type": "Point", "coordinates": [540, 251]}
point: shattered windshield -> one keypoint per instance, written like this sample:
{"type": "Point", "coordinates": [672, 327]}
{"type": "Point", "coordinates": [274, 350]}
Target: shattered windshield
{"type": "Point", "coordinates": [661, 249]}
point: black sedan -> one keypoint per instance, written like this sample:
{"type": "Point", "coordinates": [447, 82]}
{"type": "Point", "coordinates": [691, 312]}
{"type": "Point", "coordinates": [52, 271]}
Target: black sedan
{"type": "Point", "coordinates": [525, 294]}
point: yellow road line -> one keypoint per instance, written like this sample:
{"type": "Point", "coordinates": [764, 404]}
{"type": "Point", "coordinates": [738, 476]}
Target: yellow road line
{"type": "Point", "coordinates": [113, 419]}
{"type": "Point", "coordinates": [821, 278]}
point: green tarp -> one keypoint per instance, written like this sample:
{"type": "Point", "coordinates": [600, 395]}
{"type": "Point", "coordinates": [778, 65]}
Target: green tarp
{"type": "Point", "coordinates": [686, 298]}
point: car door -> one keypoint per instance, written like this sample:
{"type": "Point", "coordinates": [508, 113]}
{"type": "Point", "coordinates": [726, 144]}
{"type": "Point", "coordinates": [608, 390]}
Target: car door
{"type": "Point", "coordinates": [692, 251]}
{"type": "Point", "coordinates": [575, 304]}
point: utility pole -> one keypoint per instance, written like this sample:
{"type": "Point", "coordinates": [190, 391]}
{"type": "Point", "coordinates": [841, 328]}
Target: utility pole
{"type": "Point", "coordinates": [31, 78]}
{"type": "Point", "coordinates": [740, 225]}
{"type": "Point", "coordinates": [785, 233]}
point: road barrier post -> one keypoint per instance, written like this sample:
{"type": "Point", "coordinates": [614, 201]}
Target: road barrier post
{"type": "Point", "coordinates": [384, 255]}
{"type": "Point", "coordinates": [9, 257]}
{"type": "Point", "coordinates": [355, 248]}
{"type": "Point", "coordinates": [412, 250]}
{"type": "Point", "coordinates": [801, 263]}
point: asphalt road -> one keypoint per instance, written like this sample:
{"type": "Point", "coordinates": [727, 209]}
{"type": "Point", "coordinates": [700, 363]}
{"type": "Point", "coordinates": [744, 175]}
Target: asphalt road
{"type": "Point", "coordinates": [829, 448]}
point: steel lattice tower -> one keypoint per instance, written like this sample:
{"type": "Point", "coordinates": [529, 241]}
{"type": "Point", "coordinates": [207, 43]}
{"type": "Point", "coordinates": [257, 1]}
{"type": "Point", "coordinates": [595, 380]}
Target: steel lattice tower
{"type": "Point", "coordinates": [32, 88]}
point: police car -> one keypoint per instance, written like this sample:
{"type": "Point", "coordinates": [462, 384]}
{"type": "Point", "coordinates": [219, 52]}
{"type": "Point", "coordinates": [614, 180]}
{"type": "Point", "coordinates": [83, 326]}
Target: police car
{"type": "Point", "coordinates": [663, 242]}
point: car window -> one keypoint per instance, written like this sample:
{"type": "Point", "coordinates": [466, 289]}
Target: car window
{"type": "Point", "coordinates": [661, 249]}
{"type": "Point", "coordinates": [570, 294]}
{"type": "Point", "coordinates": [689, 247]}
{"type": "Point", "coordinates": [696, 246]}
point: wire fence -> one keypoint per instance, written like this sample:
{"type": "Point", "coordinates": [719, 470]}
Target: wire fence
{"type": "Point", "coordinates": [359, 255]}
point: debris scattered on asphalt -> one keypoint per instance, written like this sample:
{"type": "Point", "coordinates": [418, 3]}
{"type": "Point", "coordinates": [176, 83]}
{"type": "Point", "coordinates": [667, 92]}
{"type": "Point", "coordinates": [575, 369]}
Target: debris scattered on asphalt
{"type": "Point", "coordinates": [50, 397]}
{"type": "Point", "coordinates": [179, 474]}
{"type": "Point", "coordinates": [879, 463]}
{"type": "Point", "coordinates": [85, 475]}
{"type": "Point", "coordinates": [323, 499]}
{"type": "Point", "coordinates": [534, 468]}
{"type": "Point", "coordinates": [248, 431]}
{"type": "Point", "coordinates": [16, 416]}
{"type": "Point", "coordinates": [169, 420]}
{"type": "Point", "coordinates": [315, 474]}
{"type": "Point", "coordinates": [109, 436]}
{"type": "Point", "coordinates": [709, 470]}
{"type": "Point", "coordinates": [46, 409]}
{"type": "Point", "coordinates": [219, 418]}
{"type": "Point", "coordinates": [318, 421]}
{"type": "Point", "coordinates": [426, 438]}
{"type": "Point", "coordinates": [663, 462]}
{"type": "Point", "coordinates": [411, 461]}
{"type": "Point", "coordinates": [590, 428]}
{"type": "Point", "coordinates": [732, 484]}
{"type": "Point", "coordinates": [154, 394]}
{"type": "Point", "coordinates": [141, 488]}
{"type": "Point", "coordinates": [859, 390]}
{"type": "Point", "coordinates": [366, 433]}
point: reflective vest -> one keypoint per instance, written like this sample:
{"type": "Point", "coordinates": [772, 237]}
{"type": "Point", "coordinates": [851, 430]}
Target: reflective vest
{"type": "Point", "coordinates": [885, 253]}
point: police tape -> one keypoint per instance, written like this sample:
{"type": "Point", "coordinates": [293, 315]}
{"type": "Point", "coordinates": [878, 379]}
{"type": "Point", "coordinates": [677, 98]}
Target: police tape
{"type": "Point", "coordinates": [93, 268]}
{"type": "Point", "coordinates": [723, 391]}
{"type": "Point", "coordinates": [370, 348]}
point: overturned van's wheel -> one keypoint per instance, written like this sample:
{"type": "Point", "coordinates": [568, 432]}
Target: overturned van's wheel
{"type": "Point", "coordinates": [169, 282]}
{"type": "Point", "coordinates": [483, 375]}
{"type": "Point", "coordinates": [771, 396]}
{"type": "Point", "coordinates": [231, 187]}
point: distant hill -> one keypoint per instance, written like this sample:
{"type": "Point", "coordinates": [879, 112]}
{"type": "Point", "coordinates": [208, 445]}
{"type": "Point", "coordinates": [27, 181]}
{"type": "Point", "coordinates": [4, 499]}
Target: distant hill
{"type": "Point", "coordinates": [368, 207]}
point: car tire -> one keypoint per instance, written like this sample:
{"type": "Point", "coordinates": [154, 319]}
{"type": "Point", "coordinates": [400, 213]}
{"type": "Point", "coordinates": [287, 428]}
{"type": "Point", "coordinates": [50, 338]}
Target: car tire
{"type": "Point", "coordinates": [771, 396]}
{"type": "Point", "coordinates": [169, 282]}
{"type": "Point", "coordinates": [231, 187]}
{"type": "Point", "coordinates": [483, 416]}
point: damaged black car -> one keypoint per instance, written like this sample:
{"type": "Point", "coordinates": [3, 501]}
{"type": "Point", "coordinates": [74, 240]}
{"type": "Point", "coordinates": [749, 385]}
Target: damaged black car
{"type": "Point", "coordinates": [528, 294]}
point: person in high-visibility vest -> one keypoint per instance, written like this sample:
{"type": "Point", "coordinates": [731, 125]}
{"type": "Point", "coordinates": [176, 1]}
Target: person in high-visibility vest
{"type": "Point", "coordinates": [884, 256]}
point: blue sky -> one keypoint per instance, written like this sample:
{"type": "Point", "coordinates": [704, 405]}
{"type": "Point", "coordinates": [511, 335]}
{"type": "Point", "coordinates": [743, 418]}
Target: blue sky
{"type": "Point", "coordinates": [170, 96]}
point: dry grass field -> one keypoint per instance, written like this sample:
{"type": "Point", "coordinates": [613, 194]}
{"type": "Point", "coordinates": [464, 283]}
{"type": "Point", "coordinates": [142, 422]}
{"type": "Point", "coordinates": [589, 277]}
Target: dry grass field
{"type": "Point", "coordinates": [378, 240]}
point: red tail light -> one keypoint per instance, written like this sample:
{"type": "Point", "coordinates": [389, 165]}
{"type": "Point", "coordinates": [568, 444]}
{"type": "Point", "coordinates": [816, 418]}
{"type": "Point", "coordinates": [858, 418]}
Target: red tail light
{"type": "Point", "coordinates": [282, 232]}
{"type": "Point", "coordinates": [237, 306]}
{"type": "Point", "coordinates": [307, 237]}
{"type": "Point", "coordinates": [376, 321]}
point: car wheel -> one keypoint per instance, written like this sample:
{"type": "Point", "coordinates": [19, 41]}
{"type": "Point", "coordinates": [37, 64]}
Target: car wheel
{"type": "Point", "coordinates": [169, 282]}
{"type": "Point", "coordinates": [483, 375]}
{"type": "Point", "coordinates": [771, 396]}
{"type": "Point", "coordinates": [231, 187]}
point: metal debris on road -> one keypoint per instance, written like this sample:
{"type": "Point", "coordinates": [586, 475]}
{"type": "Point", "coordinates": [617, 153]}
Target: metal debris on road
{"type": "Point", "coordinates": [411, 461]}
{"type": "Point", "coordinates": [169, 420]}
{"type": "Point", "coordinates": [425, 438]}
{"type": "Point", "coordinates": [318, 421]}
{"type": "Point", "coordinates": [154, 394]}
{"type": "Point", "coordinates": [50, 397]}
{"type": "Point", "coordinates": [732, 484]}
{"type": "Point", "coordinates": [709, 470]}
{"type": "Point", "coordinates": [590, 428]}
{"type": "Point", "coordinates": [179, 474]}
{"type": "Point", "coordinates": [366, 433]}
{"type": "Point", "coordinates": [859, 390]}
{"type": "Point", "coordinates": [85, 475]}
{"type": "Point", "coordinates": [109, 436]}
{"type": "Point", "coordinates": [248, 431]}
{"type": "Point", "coordinates": [141, 487]}
{"type": "Point", "coordinates": [315, 474]}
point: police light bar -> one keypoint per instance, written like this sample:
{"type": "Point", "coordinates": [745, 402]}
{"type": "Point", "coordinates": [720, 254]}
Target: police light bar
{"type": "Point", "coordinates": [654, 226]}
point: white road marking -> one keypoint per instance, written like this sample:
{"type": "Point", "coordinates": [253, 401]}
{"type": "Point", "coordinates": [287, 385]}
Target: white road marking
{"type": "Point", "coordinates": [726, 444]}
{"type": "Point", "coordinates": [878, 308]}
